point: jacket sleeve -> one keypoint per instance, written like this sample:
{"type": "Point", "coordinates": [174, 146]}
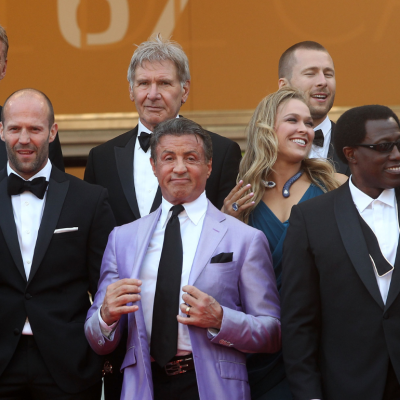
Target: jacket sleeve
{"type": "Point", "coordinates": [108, 275]}
{"type": "Point", "coordinates": [256, 327]}
{"type": "Point", "coordinates": [301, 311]}
{"type": "Point", "coordinates": [89, 171]}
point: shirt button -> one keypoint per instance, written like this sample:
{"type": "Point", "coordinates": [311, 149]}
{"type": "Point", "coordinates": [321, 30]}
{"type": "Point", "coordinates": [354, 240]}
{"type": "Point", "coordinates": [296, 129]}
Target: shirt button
{"type": "Point", "coordinates": [27, 203]}
{"type": "Point", "coordinates": [28, 261]}
{"type": "Point", "coordinates": [28, 232]}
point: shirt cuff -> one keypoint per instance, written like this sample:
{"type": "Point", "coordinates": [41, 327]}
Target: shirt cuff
{"type": "Point", "coordinates": [107, 330]}
{"type": "Point", "coordinates": [213, 332]}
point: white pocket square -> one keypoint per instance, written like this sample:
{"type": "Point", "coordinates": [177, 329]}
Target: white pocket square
{"type": "Point", "coordinates": [63, 230]}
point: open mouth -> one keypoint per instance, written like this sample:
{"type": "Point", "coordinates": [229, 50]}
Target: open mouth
{"type": "Point", "coordinates": [300, 142]}
{"type": "Point", "coordinates": [320, 96]}
{"type": "Point", "coordinates": [395, 169]}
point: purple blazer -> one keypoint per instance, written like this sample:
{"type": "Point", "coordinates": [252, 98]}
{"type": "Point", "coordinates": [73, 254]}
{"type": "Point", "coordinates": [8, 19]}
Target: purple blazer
{"type": "Point", "coordinates": [245, 288]}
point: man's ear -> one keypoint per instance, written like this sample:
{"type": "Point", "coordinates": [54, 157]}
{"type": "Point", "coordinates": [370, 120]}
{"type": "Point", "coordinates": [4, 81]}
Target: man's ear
{"type": "Point", "coordinates": [2, 131]}
{"type": "Point", "coordinates": [131, 93]}
{"type": "Point", "coordinates": [283, 82]}
{"type": "Point", "coordinates": [185, 92]}
{"type": "Point", "coordinates": [153, 166]}
{"type": "Point", "coordinates": [349, 153]}
{"type": "Point", "coordinates": [53, 132]}
{"type": "Point", "coordinates": [4, 70]}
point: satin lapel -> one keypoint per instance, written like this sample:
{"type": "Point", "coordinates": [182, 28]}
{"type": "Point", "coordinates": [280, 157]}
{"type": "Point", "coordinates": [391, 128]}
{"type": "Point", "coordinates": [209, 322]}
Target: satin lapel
{"type": "Point", "coordinates": [353, 240]}
{"type": "Point", "coordinates": [124, 159]}
{"type": "Point", "coordinates": [55, 197]}
{"type": "Point", "coordinates": [157, 200]}
{"type": "Point", "coordinates": [394, 288]}
{"type": "Point", "coordinates": [331, 150]}
{"type": "Point", "coordinates": [7, 225]}
{"type": "Point", "coordinates": [211, 235]}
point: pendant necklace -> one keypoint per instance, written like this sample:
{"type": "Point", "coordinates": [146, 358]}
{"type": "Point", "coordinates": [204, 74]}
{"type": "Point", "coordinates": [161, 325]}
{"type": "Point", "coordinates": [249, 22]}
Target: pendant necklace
{"type": "Point", "coordinates": [286, 186]}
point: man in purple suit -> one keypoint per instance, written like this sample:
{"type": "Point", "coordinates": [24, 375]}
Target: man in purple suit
{"type": "Point", "coordinates": [220, 267]}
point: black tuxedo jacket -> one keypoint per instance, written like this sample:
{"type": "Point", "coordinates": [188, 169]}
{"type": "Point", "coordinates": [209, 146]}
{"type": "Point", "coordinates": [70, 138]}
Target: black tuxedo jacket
{"type": "Point", "coordinates": [65, 267]}
{"type": "Point", "coordinates": [340, 166]}
{"type": "Point", "coordinates": [111, 166]}
{"type": "Point", "coordinates": [55, 153]}
{"type": "Point", "coordinates": [337, 335]}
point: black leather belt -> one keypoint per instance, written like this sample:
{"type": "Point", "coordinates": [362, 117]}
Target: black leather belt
{"type": "Point", "coordinates": [178, 365]}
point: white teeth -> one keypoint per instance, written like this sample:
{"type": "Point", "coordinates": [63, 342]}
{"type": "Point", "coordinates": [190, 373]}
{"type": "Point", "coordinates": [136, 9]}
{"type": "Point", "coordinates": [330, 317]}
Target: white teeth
{"type": "Point", "coordinates": [299, 141]}
{"type": "Point", "coordinates": [394, 168]}
{"type": "Point", "coordinates": [319, 96]}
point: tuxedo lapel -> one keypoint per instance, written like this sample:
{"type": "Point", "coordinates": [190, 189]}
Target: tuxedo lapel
{"type": "Point", "coordinates": [7, 224]}
{"type": "Point", "coordinates": [56, 193]}
{"type": "Point", "coordinates": [124, 159]}
{"type": "Point", "coordinates": [211, 235]}
{"type": "Point", "coordinates": [394, 288]}
{"type": "Point", "coordinates": [353, 239]}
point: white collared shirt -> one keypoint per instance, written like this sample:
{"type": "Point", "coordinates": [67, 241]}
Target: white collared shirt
{"type": "Point", "coordinates": [191, 221]}
{"type": "Point", "coordinates": [28, 211]}
{"type": "Point", "coordinates": [382, 217]}
{"type": "Point", "coordinates": [145, 182]}
{"type": "Point", "coordinates": [322, 152]}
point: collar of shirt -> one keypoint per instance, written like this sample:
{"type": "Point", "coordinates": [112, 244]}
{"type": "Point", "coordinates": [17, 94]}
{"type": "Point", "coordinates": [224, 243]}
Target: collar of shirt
{"type": "Point", "coordinates": [325, 126]}
{"type": "Point", "coordinates": [362, 200]}
{"type": "Point", "coordinates": [194, 210]}
{"type": "Point", "coordinates": [142, 128]}
{"type": "Point", "coordinates": [45, 172]}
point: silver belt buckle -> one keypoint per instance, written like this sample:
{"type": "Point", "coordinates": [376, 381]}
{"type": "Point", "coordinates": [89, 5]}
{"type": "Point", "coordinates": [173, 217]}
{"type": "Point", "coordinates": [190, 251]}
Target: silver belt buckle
{"type": "Point", "coordinates": [175, 367]}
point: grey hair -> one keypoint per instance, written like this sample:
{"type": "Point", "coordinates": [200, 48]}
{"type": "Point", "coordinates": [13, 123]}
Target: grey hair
{"type": "Point", "coordinates": [4, 39]}
{"type": "Point", "coordinates": [157, 49]}
{"type": "Point", "coordinates": [180, 127]}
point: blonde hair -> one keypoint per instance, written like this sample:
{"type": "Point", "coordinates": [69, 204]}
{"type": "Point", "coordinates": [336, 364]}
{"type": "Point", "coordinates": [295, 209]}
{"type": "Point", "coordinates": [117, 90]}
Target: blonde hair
{"type": "Point", "coordinates": [262, 150]}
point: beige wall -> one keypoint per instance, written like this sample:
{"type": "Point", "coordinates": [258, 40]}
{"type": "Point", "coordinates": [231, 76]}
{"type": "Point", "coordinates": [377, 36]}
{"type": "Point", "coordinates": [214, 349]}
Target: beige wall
{"type": "Point", "coordinates": [79, 57]}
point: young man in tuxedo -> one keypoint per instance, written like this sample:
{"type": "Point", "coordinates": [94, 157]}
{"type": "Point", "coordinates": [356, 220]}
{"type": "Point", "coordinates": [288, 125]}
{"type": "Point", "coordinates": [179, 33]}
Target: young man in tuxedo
{"type": "Point", "coordinates": [186, 252]}
{"type": "Point", "coordinates": [53, 231]}
{"type": "Point", "coordinates": [55, 153]}
{"type": "Point", "coordinates": [307, 66]}
{"type": "Point", "coordinates": [159, 84]}
{"type": "Point", "coordinates": [341, 280]}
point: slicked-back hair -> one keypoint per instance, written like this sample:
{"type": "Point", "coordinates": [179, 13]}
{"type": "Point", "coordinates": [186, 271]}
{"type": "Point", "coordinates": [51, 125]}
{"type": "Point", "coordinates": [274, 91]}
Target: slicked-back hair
{"type": "Point", "coordinates": [350, 128]}
{"type": "Point", "coordinates": [4, 39]}
{"type": "Point", "coordinates": [30, 90]}
{"type": "Point", "coordinates": [180, 127]}
{"type": "Point", "coordinates": [287, 60]}
{"type": "Point", "coordinates": [156, 49]}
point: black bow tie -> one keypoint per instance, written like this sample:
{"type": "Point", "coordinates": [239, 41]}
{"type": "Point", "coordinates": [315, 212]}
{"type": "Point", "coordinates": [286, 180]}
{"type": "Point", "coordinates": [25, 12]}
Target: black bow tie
{"type": "Point", "coordinates": [319, 138]}
{"type": "Point", "coordinates": [17, 185]}
{"type": "Point", "coordinates": [144, 140]}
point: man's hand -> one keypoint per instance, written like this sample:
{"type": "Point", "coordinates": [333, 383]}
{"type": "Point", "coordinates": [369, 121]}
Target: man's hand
{"type": "Point", "coordinates": [117, 296]}
{"type": "Point", "coordinates": [204, 312]}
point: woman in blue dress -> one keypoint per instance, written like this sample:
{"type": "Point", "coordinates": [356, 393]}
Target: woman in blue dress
{"type": "Point", "coordinates": [276, 167]}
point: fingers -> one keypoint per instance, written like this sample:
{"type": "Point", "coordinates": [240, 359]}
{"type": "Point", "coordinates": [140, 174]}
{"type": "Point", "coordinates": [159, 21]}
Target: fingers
{"type": "Point", "coordinates": [192, 291]}
{"type": "Point", "coordinates": [234, 190]}
{"type": "Point", "coordinates": [118, 297]}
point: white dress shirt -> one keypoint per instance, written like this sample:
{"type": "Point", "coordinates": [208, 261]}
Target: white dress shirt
{"type": "Point", "coordinates": [28, 212]}
{"type": "Point", "coordinates": [382, 217]}
{"type": "Point", "coordinates": [145, 182]}
{"type": "Point", "coordinates": [322, 152]}
{"type": "Point", "coordinates": [191, 221]}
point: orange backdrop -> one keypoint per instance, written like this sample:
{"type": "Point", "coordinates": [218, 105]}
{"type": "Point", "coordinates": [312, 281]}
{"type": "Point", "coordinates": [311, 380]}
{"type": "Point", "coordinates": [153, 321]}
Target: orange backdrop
{"type": "Point", "coordinates": [78, 51]}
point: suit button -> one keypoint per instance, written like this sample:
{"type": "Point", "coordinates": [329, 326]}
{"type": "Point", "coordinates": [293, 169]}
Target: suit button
{"type": "Point", "coordinates": [16, 331]}
{"type": "Point", "coordinates": [386, 316]}
{"type": "Point", "coordinates": [28, 296]}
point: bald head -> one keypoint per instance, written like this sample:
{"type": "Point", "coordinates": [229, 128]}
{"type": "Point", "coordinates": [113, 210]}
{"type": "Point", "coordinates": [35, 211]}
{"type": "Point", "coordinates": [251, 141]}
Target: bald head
{"type": "Point", "coordinates": [34, 94]}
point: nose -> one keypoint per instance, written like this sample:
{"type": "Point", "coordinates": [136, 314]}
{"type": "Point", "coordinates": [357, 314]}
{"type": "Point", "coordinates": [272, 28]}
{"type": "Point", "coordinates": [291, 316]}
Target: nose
{"type": "Point", "coordinates": [321, 79]}
{"type": "Point", "coordinates": [180, 166]}
{"type": "Point", "coordinates": [395, 153]}
{"type": "Point", "coordinates": [24, 137]}
{"type": "Point", "coordinates": [153, 93]}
